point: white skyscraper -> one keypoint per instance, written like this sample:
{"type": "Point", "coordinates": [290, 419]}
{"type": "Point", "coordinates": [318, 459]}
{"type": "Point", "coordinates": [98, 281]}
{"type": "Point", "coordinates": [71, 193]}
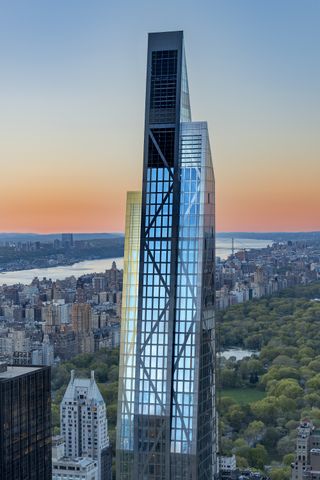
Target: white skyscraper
{"type": "Point", "coordinates": [83, 423]}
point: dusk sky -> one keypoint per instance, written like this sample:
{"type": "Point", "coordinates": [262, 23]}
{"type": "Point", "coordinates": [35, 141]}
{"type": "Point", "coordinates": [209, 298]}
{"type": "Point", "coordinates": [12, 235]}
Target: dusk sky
{"type": "Point", "coordinates": [72, 86]}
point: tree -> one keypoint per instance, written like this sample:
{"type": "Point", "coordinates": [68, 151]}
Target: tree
{"type": "Point", "coordinates": [305, 374]}
{"type": "Point", "coordinates": [288, 387]}
{"type": "Point", "coordinates": [101, 373]}
{"type": "Point", "coordinates": [112, 415]}
{"type": "Point", "coordinates": [114, 373]}
{"type": "Point", "coordinates": [250, 368]}
{"type": "Point", "coordinates": [306, 352]}
{"type": "Point", "coordinates": [286, 445]}
{"type": "Point", "coordinates": [280, 473]}
{"type": "Point", "coordinates": [265, 409]}
{"type": "Point", "coordinates": [225, 403]}
{"type": "Point", "coordinates": [312, 399]}
{"type": "Point", "coordinates": [258, 457]}
{"type": "Point", "coordinates": [270, 439]}
{"type": "Point", "coordinates": [288, 459]}
{"type": "Point", "coordinates": [236, 416]}
{"type": "Point", "coordinates": [109, 392]}
{"type": "Point", "coordinates": [286, 405]}
{"type": "Point", "coordinates": [292, 425]}
{"type": "Point", "coordinates": [315, 365]}
{"type": "Point", "coordinates": [83, 360]}
{"type": "Point", "coordinates": [314, 383]}
{"type": "Point", "coordinates": [60, 377]}
{"type": "Point", "coordinates": [239, 443]}
{"type": "Point", "coordinates": [254, 432]}
{"type": "Point", "coordinates": [285, 361]}
{"type": "Point", "coordinates": [254, 342]}
{"type": "Point", "coordinates": [55, 416]}
{"type": "Point", "coordinates": [228, 378]}
{"type": "Point", "coordinates": [226, 446]}
{"type": "Point", "coordinates": [286, 372]}
{"type": "Point", "coordinates": [242, 462]}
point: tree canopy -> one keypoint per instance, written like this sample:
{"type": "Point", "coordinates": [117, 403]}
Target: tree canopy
{"type": "Point", "coordinates": [285, 332]}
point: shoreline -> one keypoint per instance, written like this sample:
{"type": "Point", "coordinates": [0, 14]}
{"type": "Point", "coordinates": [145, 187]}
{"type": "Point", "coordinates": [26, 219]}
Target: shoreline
{"type": "Point", "coordinates": [78, 269]}
{"type": "Point", "coordinates": [56, 265]}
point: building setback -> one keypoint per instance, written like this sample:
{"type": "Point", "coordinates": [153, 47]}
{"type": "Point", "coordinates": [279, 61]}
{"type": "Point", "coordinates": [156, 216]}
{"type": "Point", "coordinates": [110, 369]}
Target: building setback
{"type": "Point", "coordinates": [65, 468]}
{"type": "Point", "coordinates": [166, 412]}
{"type": "Point", "coordinates": [25, 423]}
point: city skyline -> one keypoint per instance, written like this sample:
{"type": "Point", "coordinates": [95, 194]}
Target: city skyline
{"type": "Point", "coordinates": [66, 99]}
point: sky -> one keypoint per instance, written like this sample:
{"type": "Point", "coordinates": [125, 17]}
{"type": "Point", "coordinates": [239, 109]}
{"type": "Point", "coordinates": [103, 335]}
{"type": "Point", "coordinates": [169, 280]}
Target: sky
{"type": "Point", "coordinates": [72, 87]}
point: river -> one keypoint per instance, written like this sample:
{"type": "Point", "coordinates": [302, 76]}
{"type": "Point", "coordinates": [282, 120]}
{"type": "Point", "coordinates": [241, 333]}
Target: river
{"type": "Point", "coordinates": [98, 266]}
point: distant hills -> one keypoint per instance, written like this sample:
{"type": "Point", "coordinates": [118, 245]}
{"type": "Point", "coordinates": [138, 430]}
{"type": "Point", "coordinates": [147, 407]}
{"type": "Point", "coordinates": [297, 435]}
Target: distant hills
{"type": "Point", "coordinates": [274, 236]}
{"type": "Point", "coordinates": [36, 237]}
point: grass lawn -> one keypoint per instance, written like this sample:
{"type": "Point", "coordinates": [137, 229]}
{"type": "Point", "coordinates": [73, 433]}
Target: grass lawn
{"type": "Point", "coordinates": [243, 396]}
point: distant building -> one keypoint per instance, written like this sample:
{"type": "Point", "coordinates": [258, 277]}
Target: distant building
{"type": "Point", "coordinates": [44, 354]}
{"type": "Point", "coordinates": [99, 284]}
{"type": "Point", "coordinates": [81, 315]}
{"type": "Point", "coordinates": [83, 424]}
{"type": "Point", "coordinates": [20, 341]}
{"type": "Point", "coordinates": [307, 463]}
{"type": "Point", "coordinates": [228, 467]}
{"type": "Point", "coordinates": [25, 423]}
{"type": "Point", "coordinates": [50, 317]}
{"type": "Point", "coordinates": [114, 277]}
{"type": "Point", "coordinates": [21, 358]}
{"type": "Point", "coordinates": [227, 463]}
{"type": "Point", "coordinates": [67, 239]}
{"type": "Point", "coordinates": [65, 346]}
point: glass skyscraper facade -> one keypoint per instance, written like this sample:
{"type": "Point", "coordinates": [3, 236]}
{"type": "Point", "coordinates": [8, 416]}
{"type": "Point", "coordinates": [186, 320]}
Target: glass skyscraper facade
{"type": "Point", "coordinates": [25, 423]}
{"type": "Point", "coordinates": [166, 415]}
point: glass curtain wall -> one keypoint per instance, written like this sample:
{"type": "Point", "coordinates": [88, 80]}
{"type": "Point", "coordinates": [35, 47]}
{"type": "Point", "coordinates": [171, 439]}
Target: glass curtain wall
{"type": "Point", "coordinates": [166, 416]}
{"type": "Point", "coordinates": [128, 340]}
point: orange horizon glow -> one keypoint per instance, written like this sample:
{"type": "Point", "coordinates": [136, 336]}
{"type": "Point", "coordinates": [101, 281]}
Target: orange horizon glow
{"type": "Point", "coordinates": [250, 197]}
{"type": "Point", "coordinates": [81, 209]}
{"type": "Point", "coordinates": [72, 111]}
{"type": "Point", "coordinates": [247, 199]}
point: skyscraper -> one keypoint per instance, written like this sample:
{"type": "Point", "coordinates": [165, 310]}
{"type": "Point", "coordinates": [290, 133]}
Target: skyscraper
{"type": "Point", "coordinates": [25, 423]}
{"type": "Point", "coordinates": [83, 423]}
{"type": "Point", "coordinates": [166, 414]}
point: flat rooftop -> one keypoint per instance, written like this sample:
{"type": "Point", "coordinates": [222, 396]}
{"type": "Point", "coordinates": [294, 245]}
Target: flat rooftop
{"type": "Point", "coordinates": [82, 462]}
{"type": "Point", "coordinates": [13, 371]}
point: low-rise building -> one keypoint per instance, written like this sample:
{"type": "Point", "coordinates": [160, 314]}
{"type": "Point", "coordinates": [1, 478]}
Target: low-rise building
{"type": "Point", "coordinates": [65, 468]}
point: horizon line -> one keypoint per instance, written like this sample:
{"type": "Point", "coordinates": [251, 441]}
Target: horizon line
{"type": "Point", "coordinates": [122, 232]}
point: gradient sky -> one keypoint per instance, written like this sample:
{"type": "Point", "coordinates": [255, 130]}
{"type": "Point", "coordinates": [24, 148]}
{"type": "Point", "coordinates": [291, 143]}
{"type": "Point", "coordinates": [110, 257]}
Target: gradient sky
{"type": "Point", "coordinates": [72, 85]}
